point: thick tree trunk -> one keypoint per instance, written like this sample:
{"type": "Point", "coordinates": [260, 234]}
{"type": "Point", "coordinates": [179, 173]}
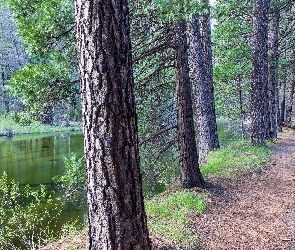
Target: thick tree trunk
{"type": "Point", "coordinates": [259, 92]}
{"type": "Point", "coordinates": [189, 166]}
{"type": "Point", "coordinates": [117, 218]}
{"type": "Point", "coordinates": [273, 87]}
{"type": "Point", "coordinates": [207, 43]}
{"type": "Point", "coordinates": [201, 61]}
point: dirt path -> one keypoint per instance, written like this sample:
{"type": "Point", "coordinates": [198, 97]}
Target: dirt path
{"type": "Point", "coordinates": [255, 212]}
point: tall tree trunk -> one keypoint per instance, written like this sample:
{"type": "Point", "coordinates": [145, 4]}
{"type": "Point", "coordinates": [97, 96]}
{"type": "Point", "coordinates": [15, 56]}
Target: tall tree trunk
{"type": "Point", "coordinates": [259, 92]}
{"type": "Point", "coordinates": [117, 218]}
{"type": "Point", "coordinates": [189, 166]}
{"type": "Point", "coordinates": [207, 42]}
{"type": "Point", "coordinates": [207, 47]}
{"type": "Point", "coordinates": [289, 108]}
{"type": "Point", "coordinates": [273, 88]}
{"type": "Point", "coordinates": [283, 82]}
{"type": "Point", "coordinates": [201, 61]}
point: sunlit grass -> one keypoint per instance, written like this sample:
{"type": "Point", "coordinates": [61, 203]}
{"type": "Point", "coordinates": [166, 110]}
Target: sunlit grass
{"type": "Point", "coordinates": [234, 159]}
{"type": "Point", "coordinates": [168, 216]}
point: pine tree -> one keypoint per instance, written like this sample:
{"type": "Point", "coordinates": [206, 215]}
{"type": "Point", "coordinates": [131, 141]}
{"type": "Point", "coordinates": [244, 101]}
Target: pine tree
{"type": "Point", "coordinates": [117, 218]}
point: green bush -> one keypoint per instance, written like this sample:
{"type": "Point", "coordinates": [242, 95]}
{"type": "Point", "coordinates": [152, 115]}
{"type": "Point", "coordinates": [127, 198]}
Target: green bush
{"type": "Point", "coordinates": [73, 181]}
{"type": "Point", "coordinates": [26, 216]}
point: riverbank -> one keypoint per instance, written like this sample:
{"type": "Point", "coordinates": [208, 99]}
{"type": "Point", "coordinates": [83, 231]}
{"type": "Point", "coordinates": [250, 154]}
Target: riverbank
{"type": "Point", "coordinates": [9, 128]}
{"type": "Point", "coordinates": [234, 175]}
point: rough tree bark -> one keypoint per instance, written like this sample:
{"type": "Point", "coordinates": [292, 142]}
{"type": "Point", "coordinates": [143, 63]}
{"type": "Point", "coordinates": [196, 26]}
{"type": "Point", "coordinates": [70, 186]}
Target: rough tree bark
{"type": "Point", "coordinates": [290, 102]}
{"type": "Point", "coordinates": [283, 83]}
{"type": "Point", "coordinates": [117, 218]}
{"type": "Point", "coordinates": [189, 166]}
{"type": "Point", "coordinates": [201, 61]}
{"type": "Point", "coordinates": [273, 87]}
{"type": "Point", "coordinates": [259, 93]}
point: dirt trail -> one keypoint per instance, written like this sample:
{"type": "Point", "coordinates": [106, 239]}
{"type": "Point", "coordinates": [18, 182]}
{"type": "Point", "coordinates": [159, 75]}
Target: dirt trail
{"type": "Point", "coordinates": [255, 212]}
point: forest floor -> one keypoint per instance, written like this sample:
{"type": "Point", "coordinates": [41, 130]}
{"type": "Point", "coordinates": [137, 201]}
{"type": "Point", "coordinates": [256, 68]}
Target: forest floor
{"type": "Point", "coordinates": [256, 210]}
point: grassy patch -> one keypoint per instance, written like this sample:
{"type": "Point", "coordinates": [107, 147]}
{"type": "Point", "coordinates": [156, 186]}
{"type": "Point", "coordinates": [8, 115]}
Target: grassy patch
{"type": "Point", "coordinates": [234, 159]}
{"type": "Point", "coordinates": [35, 127]}
{"type": "Point", "coordinates": [168, 216]}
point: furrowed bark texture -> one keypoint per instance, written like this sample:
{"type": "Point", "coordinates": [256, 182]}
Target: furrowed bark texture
{"type": "Point", "coordinates": [207, 43]}
{"type": "Point", "coordinates": [273, 86]}
{"type": "Point", "coordinates": [201, 61]}
{"type": "Point", "coordinates": [283, 82]}
{"type": "Point", "coordinates": [259, 83]}
{"type": "Point", "coordinates": [117, 218]}
{"type": "Point", "coordinates": [189, 166]}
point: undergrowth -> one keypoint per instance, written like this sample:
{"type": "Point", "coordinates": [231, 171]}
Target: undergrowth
{"type": "Point", "coordinates": [168, 216]}
{"type": "Point", "coordinates": [234, 159]}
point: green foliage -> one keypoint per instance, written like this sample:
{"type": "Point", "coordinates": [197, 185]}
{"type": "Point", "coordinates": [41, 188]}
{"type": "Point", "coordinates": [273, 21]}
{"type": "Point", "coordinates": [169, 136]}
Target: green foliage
{"type": "Point", "coordinates": [42, 86]}
{"type": "Point", "coordinates": [234, 159]}
{"type": "Point", "coordinates": [46, 26]}
{"type": "Point", "coordinates": [169, 10]}
{"type": "Point", "coordinates": [232, 52]}
{"type": "Point", "coordinates": [73, 181]}
{"type": "Point", "coordinates": [168, 216]}
{"type": "Point", "coordinates": [25, 216]}
{"type": "Point", "coordinates": [48, 31]}
{"type": "Point", "coordinates": [176, 9]}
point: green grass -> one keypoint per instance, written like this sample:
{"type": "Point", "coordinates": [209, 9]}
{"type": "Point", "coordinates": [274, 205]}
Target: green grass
{"type": "Point", "coordinates": [35, 127]}
{"type": "Point", "coordinates": [235, 159]}
{"type": "Point", "coordinates": [168, 216]}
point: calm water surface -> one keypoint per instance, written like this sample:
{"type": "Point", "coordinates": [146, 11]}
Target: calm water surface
{"type": "Point", "coordinates": [36, 160]}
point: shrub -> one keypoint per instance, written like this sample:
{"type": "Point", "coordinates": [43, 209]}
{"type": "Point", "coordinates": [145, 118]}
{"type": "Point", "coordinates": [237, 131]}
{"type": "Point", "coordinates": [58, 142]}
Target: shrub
{"type": "Point", "coordinates": [26, 215]}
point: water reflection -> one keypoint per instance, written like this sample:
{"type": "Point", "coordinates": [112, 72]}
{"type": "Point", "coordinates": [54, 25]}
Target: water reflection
{"type": "Point", "coordinates": [37, 160]}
